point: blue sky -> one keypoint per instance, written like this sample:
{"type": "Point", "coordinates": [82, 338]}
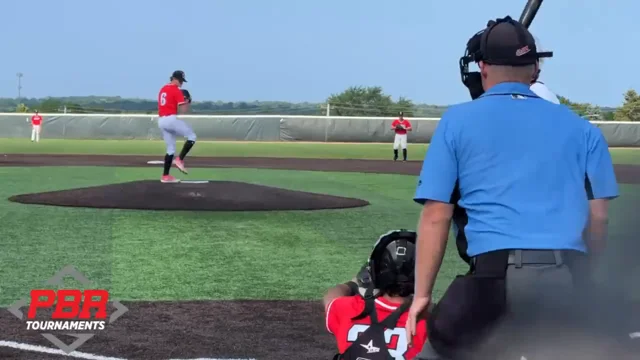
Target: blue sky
{"type": "Point", "coordinates": [301, 50]}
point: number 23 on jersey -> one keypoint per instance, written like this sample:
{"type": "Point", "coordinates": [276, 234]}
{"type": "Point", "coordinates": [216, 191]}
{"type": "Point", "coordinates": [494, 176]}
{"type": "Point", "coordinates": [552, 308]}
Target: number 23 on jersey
{"type": "Point", "coordinates": [396, 339]}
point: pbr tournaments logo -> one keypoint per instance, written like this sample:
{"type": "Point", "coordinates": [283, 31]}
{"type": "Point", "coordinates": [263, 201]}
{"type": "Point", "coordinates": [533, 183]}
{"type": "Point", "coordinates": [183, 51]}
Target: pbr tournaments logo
{"type": "Point", "coordinates": [83, 313]}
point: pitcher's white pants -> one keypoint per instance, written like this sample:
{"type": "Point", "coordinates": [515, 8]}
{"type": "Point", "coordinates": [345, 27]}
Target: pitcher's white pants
{"type": "Point", "coordinates": [173, 127]}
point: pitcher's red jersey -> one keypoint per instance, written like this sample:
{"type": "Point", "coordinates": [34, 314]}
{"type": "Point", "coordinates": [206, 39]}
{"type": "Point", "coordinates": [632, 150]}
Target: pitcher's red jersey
{"type": "Point", "coordinates": [341, 310]}
{"type": "Point", "coordinates": [169, 98]}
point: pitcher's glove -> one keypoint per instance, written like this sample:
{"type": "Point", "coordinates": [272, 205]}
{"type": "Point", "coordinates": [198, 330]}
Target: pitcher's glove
{"type": "Point", "coordinates": [187, 95]}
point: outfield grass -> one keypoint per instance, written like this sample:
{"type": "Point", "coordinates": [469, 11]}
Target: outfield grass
{"type": "Point", "coordinates": [142, 255]}
{"type": "Point", "coordinates": [220, 148]}
{"type": "Point", "coordinates": [208, 148]}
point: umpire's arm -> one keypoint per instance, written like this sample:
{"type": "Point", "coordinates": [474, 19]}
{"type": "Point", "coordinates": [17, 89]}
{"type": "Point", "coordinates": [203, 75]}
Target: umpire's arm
{"type": "Point", "coordinates": [602, 186]}
{"type": "Point", "coordinates": [437, 181]}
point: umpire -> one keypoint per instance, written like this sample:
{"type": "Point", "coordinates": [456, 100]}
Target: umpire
{"type": "Point", "coordinates": [527, 184]}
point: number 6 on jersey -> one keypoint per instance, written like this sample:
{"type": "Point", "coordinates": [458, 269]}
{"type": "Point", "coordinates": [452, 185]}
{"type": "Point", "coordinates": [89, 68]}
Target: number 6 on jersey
{"type": "Point", "coordinates": [163, 98]}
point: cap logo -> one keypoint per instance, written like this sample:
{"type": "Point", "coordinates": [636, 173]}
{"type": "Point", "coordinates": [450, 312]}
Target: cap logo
{"type": "Point", "coordinates": [523, 50]}
{"type": "Point", "coordinates": [401, 251]}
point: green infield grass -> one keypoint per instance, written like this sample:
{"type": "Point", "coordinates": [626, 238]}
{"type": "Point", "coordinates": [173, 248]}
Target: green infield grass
{"type": "Point", "coordinates": [144, 255]}
{"type": "Point", "coordinates": [188, 255]}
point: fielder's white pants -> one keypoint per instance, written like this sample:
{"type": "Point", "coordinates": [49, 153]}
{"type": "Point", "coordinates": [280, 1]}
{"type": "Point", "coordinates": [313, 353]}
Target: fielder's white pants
{"type": "Point", "coordinates": [400, 141]}
{"type": "Point", "coordinates": [35, 133]}
{"type": "Point", "coordinates": [173, 127]}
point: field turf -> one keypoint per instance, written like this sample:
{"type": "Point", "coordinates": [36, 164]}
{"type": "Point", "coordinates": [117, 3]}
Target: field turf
{"type": "Point", "coordinates": [141, 255]}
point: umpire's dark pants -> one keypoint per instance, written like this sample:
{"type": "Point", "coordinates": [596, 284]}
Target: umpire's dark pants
{"type": "Point", "coordinates": [502, 305]}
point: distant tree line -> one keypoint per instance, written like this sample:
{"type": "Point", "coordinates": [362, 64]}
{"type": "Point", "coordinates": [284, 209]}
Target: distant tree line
{"type": "Point", "coordinates": [353, 101]}
{"type": "Point", "coordinates": [97, 104]}
{"type": "Point", "coordinates": [629, 111]}
{"type": "Point", "coordinates": [372, 101]}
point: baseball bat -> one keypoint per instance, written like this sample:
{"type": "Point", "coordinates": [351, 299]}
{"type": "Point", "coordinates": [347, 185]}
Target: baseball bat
{"type": "Point", "coordinates": [529, 12]}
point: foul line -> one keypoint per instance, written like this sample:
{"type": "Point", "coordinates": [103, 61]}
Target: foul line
{"type": "Point", "coordinates": [77, 354]}
{"type": "Point", "coordinates": [46, 350]}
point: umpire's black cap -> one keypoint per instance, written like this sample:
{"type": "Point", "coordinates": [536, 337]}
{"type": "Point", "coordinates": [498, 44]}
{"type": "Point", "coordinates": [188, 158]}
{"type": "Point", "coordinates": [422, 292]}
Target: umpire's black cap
{"type": "Point", "coordinates": [178, 75]}
{"type": "Point", "coordinates": [506, 42]}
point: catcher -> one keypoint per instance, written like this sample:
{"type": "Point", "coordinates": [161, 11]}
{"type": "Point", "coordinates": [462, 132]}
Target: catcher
{"type": "Point", "coordinates": [367, 315]}
{"type": "Point", "coordinates": [400, 126]}
{"type": "Point", "coordinates": [171, 101]}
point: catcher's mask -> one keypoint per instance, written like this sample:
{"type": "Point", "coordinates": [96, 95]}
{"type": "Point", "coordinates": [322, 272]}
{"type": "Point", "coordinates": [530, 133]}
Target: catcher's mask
{"type": "Point", "coordinates": [392, 262]}
{"type": "Point", "coordinates": [477, 51]}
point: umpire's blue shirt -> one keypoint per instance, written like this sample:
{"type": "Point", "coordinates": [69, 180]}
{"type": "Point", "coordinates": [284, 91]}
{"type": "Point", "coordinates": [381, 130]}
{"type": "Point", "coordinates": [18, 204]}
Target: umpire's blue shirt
{"type": "Point", "coordinates": [523, 168]}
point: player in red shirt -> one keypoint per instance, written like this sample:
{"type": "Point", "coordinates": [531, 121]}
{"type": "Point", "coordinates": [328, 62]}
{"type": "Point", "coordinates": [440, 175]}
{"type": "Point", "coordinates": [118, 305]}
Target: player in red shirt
{"type": "Point", "coordinates": [388, 279]}
{"type": "Point", "coordinates": [171, 102]}
{"type": "Point", "coordinates": [400, 126]}
{"type": "Point", "coordinates": [36, 125]}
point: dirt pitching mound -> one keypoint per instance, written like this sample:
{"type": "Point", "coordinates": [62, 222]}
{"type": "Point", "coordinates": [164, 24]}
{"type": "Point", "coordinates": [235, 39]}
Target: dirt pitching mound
{"type": "Point", "coordinates": [205, 196]}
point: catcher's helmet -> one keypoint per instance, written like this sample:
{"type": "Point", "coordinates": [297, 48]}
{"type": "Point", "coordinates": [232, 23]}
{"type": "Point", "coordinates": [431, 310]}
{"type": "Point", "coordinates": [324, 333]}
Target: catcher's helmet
{"type": "Point", "coordinates": [392, 262]}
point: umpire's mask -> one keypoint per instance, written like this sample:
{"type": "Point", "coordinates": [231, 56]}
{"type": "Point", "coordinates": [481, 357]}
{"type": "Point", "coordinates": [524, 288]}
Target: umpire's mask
{"type": "Point", "coordinates": [514, 46]}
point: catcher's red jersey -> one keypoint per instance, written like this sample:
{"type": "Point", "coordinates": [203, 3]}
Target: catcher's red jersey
{"type": "Point", "coordinates": [341, 310]}
{"type": "Point", "coordinates": [169, 98]}
{"type": "Point", "coordinates": [403, 122]}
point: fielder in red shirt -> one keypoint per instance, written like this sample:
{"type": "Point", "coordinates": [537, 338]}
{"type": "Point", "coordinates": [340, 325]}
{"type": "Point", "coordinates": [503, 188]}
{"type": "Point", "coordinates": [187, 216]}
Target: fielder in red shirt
{"type": "Point", "coordinates": [171, 101]}
{"type": "Point", "coordinates": [388, 277]}
{"type": "Point", "coordinates": [401, 126]}
{"type": "Point", "coordinates": [36, 126]}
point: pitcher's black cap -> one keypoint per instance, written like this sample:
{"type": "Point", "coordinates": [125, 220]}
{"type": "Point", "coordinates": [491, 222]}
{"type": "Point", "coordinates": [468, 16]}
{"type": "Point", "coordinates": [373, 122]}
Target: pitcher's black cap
{"type": "Point", "coordinates": [507, 42]}
{"type": "Point", "coordinates": [179, 75]}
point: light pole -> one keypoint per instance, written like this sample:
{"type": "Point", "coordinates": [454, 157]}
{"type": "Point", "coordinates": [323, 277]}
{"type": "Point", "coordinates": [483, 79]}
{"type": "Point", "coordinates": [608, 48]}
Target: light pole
{"type": "Point", "coordinates": [19, 75]}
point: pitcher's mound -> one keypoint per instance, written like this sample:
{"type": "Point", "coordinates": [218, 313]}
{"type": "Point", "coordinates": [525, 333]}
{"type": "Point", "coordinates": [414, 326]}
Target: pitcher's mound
{"type": "Point", "coordinates": [209, 196]}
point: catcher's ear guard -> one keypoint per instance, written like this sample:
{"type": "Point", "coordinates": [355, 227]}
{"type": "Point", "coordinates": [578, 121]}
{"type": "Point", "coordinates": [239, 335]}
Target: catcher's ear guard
{"type": "Point", "coordinates": [369, 288]}
{"type": "Point", "coordinates": [365, 284]}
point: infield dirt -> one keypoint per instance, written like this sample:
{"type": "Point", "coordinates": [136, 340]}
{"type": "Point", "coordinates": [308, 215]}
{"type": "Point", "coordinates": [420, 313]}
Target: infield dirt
{"type": "Point", "coordinates": [626, 174]}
